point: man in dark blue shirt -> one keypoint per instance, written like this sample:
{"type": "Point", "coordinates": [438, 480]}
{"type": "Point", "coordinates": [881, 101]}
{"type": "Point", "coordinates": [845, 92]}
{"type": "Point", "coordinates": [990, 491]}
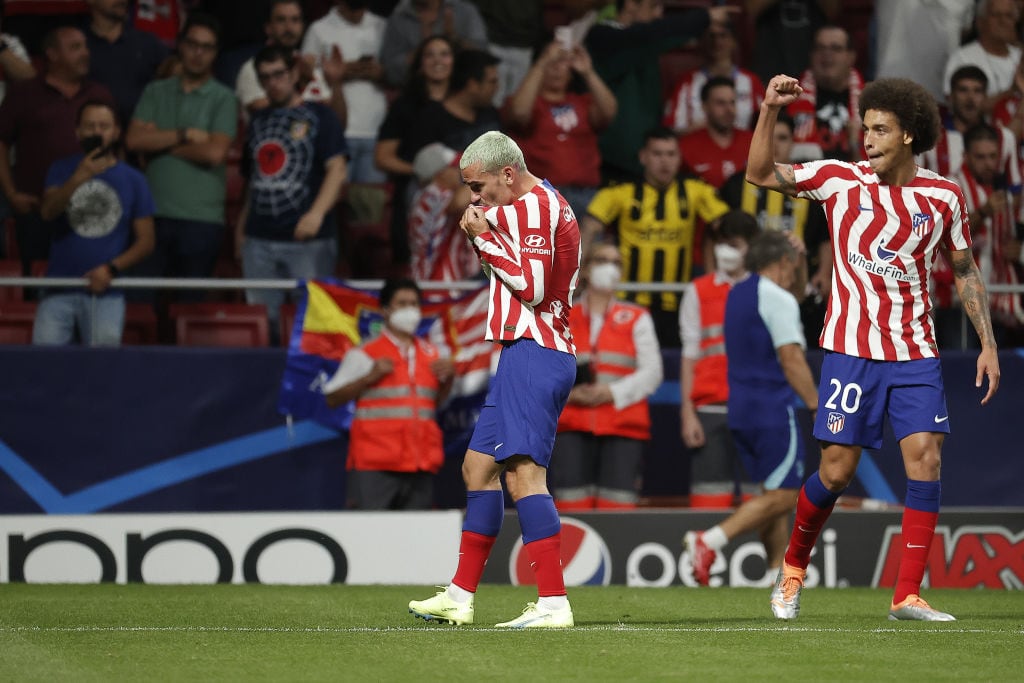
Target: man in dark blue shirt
{"type": "Point", "coordinates": [120, 57]}
{"type": "Point", "coordinates": [295, 162]}
{"type": "Point", "coordinates": [103, 216]}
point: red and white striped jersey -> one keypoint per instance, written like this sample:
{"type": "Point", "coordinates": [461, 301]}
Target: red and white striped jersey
{"type": "Point", "coordinates": [990, 236]}
{"type": "Point", "coordinates": [683, 110]}
{"type": "Point", "coordinates": [532, 253]}
{"type": "Point", "coordinates": [884, 242]}
{"type": "Point", "coordinates": [947, 156]}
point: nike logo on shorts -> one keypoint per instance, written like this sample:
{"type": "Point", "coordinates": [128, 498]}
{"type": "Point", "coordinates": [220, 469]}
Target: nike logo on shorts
{"type": "Point", "coordinates": [941, 419]}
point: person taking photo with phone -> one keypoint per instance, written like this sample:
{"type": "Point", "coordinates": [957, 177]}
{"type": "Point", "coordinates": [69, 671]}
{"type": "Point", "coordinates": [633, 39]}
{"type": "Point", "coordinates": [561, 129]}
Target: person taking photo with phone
{"type": "Point", "coordinates": [103, 223]}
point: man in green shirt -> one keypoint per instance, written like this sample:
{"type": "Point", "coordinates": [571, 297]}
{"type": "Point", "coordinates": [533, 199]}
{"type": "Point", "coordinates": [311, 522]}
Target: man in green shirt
{"type": "Point", "coordinates": [184, 126]}
{"type": "Point", "coordinates": [626, 55]}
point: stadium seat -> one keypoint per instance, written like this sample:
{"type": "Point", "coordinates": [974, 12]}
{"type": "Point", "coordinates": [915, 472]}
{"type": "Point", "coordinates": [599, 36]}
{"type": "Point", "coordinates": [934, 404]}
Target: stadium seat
{"type": "Point", "coordinates": [220, 324]}
{"type": "Point", "coordinates": [10, 239]}
{"type": "Point", "coordinates": [365, 231]}
{"type": "Point", "coordinates": [10, 268]}
{"type": "Point", "coordinates": [16, 318]}
{"type": "Point", "coordinates": [140, 325]}
{"type": "Point", "coordinates": [286, 322]}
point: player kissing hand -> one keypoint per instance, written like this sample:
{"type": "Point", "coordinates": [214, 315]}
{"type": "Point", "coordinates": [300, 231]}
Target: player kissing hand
{"type": "Point", "coordinates": [473, 221]}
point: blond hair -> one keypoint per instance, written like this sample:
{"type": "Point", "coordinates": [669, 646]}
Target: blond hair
{"type": "Point", "coordinates": [493, 151]}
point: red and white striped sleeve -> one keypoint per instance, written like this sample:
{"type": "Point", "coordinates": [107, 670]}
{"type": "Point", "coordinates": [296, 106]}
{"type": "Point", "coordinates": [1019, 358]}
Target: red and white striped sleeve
{"type": "Point", "coordinates": [523, 263]}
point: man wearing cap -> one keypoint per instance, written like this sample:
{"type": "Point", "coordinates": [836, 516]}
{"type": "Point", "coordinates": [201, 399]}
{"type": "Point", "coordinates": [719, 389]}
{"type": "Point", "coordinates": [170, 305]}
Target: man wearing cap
{"type": "Point", "coordinates": [440, 250]}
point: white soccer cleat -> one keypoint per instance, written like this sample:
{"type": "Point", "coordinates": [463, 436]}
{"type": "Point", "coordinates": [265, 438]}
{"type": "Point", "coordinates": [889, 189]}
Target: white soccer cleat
{"type": "Point", "coordinates": [913, 608]}
{"type": "Point", "coordinates": [535, 616]}
{"type": "Point", "coordinates": [785, 599]}
{"type": "Point", "coordinates": [443, 609]}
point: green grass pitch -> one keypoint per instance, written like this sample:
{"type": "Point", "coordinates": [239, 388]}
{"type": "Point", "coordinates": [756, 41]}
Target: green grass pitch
{"type": "Point", "coordinates": [364, 633]}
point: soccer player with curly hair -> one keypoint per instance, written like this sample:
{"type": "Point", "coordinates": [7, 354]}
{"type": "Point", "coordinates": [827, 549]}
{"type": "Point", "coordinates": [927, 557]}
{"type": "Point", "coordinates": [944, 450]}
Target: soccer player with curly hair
{"type": "Point", "coordinates": [888, 218]}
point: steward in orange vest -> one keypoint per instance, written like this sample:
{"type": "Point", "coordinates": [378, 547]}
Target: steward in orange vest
{"type": "Point", "coordinates": [601, 431]}
{"type": "Point", "coordinates": [612, 357]}
{"type": "Point", "coordinates": [395, 426]}
{"type": "Point", "coordinates": [397, 381]}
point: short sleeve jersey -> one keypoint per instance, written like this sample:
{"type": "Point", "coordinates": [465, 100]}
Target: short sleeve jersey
{"type": "Point", "coordinates": [760, 317]}
{"type": "Point", "coordinates": [657, 230]}
{"type": "Point", "coordinates": [884, 240]}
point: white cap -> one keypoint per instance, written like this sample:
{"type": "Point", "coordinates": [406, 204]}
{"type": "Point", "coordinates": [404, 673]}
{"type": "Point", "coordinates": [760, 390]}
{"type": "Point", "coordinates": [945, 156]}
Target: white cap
{"type": "Point", "coordinates": [430, 160]}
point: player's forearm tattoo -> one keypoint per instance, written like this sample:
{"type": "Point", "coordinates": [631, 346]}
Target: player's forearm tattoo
{"type": "Point", "coordinates": [785, 177]}
{"type": "Point", "coordinates": [973, 296]}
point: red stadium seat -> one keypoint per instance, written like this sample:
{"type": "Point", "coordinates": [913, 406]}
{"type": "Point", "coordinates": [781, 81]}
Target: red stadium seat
{"type": "Point", "coordinates": [16, 319]}
{"type": "Point", "coordinates": [286, 322]}
{"type": "Point", "coordinates": [140, 325]}
{"type": "Point", "coordinates": [220, 324]}
{"type": "Point", "coordinates": [10, 239]}
{"type": "Point", "coordinates": [10, 268]}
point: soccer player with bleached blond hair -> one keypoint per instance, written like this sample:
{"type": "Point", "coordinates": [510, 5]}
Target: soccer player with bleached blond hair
{"type": "Point", "coordinates": [888, 218]}
{"type": "Point", "coordinates": [529, 243]}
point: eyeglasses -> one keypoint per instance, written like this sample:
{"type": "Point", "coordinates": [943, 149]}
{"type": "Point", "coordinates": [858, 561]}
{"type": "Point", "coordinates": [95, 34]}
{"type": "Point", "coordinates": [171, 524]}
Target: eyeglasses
{"type": "Point", "coordinates": [267, 76]}
{"type": "Point", "coordinates": [603, 259]}
{"type": "Point", "coordinates": [190, 44]}
{"type": "Point", "coordinates": [830, 48]}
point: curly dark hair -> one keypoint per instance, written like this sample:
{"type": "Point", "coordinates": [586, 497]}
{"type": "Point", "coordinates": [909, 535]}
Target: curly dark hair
{"type": "Point", "coordinates": [912, 105]}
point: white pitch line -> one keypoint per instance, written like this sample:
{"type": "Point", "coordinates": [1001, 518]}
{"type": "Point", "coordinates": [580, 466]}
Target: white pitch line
{"type": "Point", "coordinates": [458, 629]}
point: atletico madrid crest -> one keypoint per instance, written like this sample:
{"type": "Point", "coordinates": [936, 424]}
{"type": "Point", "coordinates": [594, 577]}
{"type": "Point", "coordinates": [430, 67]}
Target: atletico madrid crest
{"type": "Point", "coordinates": [836, 422]}
{"type": "Point", "coordinates": [922, 224]}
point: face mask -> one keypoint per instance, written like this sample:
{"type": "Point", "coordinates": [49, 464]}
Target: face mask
{"type": "Point", "coordinates": [728, 258]}
{"type": "Point", "coordinates": [605, 277]}
{"type": "Point", "coordinates": [406, 319]}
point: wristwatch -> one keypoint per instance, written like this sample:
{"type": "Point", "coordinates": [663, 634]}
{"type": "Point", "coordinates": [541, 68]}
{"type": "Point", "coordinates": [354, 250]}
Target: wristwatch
{"type": "Point", "coordinates": [114, 270]}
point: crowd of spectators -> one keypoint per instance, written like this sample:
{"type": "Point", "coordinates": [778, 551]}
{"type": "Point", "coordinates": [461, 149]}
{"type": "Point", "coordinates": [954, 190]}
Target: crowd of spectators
{"type": "Point", "coordinates": [243, 183]}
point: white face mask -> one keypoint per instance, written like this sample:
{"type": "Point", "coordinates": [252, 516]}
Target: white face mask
{"type": "Point", "coordinates": [605, 277]}
{"type": "Point", "coordinates": [728, 258]}
{"type": "Point", "coordinates": [406, 319]}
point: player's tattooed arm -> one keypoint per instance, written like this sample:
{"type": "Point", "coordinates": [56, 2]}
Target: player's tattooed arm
{"type": "Point", "coordinates": [785, 179]}
{"type": "Point", "coordinates": [973, 295]}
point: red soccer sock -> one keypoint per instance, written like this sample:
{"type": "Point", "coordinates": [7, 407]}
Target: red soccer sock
{"type": "Point", "coordinates": [546, 558]}
{"type": "Point", "coordinates": [473, 553]}
{"type": "Point", "coordinates": [809, 520]}
{"type": "Point", "coordinates": [918, 532]}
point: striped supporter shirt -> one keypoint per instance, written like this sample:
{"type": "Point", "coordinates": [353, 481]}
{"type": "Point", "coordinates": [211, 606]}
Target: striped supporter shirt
{"type": "Point", "coordinates": [532, 256]}
{"type": "Point", "coordinates": [884, 240]}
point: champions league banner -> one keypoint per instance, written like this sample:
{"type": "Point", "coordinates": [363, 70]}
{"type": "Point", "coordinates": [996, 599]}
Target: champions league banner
{"type": "Point", "coordinates": [164, 429]}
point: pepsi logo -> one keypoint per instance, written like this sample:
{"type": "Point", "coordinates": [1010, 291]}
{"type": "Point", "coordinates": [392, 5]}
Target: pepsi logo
{"type": "Point", "coordinates": [535, 241]}
{"type": "Point", "coordinates": [585, 558]}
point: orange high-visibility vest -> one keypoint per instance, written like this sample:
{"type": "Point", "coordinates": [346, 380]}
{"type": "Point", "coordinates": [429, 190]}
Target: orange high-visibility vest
{"type": "Point", "coordinates": [614, 356]}
{"type": "Point", "coordinates": [394, 427]}
{"type": "Point", "coordinates": [710, 372]}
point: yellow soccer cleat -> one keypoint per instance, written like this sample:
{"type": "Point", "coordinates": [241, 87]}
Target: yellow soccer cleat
{"type": "Point", "coordinates": [443, 609]}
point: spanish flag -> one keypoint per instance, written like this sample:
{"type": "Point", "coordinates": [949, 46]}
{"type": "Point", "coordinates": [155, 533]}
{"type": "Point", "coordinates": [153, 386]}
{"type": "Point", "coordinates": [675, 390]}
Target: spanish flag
{"type": "Point", "coordinates": [332, 318]}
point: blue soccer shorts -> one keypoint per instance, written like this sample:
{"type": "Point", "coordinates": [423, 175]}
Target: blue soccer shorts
{"type": "Point", "coordinates": [773, 455]}
{"type": "Point", "coordinates": [855, 395]}
{"type": "Point", "coordinates": [524, 401]}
